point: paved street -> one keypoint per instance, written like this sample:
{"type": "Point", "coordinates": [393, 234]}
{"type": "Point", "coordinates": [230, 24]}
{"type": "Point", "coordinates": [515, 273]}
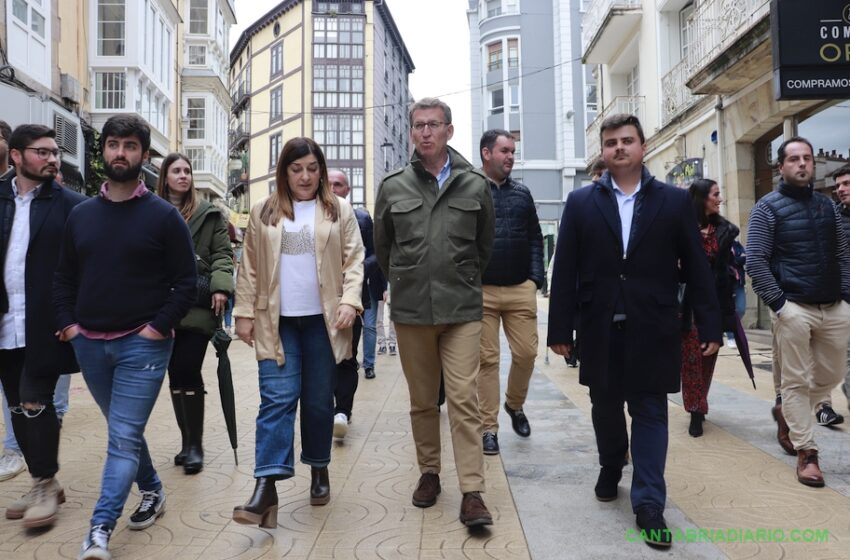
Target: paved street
{"type": "Point", "coordinates": [540, 489]}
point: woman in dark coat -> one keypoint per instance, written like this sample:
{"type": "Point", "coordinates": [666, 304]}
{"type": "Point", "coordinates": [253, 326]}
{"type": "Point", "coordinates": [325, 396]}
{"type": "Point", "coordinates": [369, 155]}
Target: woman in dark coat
{"type": "Point", "coordinates": [214, 258]}
{"type": "Point", "coordinates": [717, 235]}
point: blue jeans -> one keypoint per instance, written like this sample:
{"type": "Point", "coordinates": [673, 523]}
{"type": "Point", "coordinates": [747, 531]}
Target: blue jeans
{"type": "Point", "coordinates": [370, 334]}
{"type": "Point", "coordinates": [308, 375]}
{"type": "Point", "coordinates": [124, 376]}
{"type": "Point", "coordinates": [60, 395]}
{"type": "Point", "coordinates": [9, 442]}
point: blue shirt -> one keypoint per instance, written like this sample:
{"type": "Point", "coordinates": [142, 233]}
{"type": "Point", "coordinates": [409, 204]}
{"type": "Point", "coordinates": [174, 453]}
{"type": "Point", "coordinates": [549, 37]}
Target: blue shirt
{"type": "Point", "coordinates": [444, 173]}
{"type": "Point", "coordinates": [626, 206]}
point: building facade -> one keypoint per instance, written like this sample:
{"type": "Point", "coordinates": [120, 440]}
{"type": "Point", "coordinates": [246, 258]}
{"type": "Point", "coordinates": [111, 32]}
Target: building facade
{"type": "Point", "coordinates": [712, 113]}
{"type": "Point", "coordinates": [334, 71]}
{"type": "Point", "coordinates": [528, 79]}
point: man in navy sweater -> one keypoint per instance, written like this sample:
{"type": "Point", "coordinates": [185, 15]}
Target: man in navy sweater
{"type": "Point", "coordinates": [126, 277]}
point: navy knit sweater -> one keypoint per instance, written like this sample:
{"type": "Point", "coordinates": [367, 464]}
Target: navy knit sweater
{"type": "Point", "coordinates": [125, 264]}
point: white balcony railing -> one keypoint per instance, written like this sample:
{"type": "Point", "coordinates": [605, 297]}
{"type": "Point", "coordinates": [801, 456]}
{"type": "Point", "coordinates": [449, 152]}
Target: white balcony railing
{"type": "Point", "coordinates": [675, 95]}
{"type": "Point", "coordinates": [596, 14]}
{"type": "Point", "coordinates": [717, 24]}
{"type": "Point", "coordinates": [632, 105]}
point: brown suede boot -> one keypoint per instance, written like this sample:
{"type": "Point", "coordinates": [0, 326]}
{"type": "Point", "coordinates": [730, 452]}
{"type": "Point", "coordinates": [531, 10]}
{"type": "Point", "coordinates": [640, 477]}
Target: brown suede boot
{"type": "Point", "coordinates": [782, 430]}
{"type": "Point", "coordinates": [427, 490]}
{"type": "Point", "coordinates": [808, 470]}
{"type": "Point", "coordinates": [473, 512]}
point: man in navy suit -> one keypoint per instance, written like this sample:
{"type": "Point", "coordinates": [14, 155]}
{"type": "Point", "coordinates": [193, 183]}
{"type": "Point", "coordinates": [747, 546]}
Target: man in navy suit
{"type": "Point", "coordinates": [625, 242]}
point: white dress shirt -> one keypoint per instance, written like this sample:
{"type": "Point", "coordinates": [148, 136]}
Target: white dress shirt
{"type": "Point", "coordinates": [12, 323]}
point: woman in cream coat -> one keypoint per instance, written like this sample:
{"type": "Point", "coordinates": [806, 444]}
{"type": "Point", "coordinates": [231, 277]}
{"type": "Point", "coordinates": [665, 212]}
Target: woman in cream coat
{"type": "Point", "coordinates": [297, 294]}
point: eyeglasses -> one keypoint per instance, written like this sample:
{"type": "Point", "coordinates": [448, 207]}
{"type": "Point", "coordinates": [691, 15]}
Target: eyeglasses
{"type": "Point", "coordinates": [433, 125]}
{"type": "Point", "coordinates": [44, 153]}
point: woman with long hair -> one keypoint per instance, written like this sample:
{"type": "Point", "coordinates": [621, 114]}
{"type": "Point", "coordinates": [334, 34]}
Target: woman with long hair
{"type": "Point", "coordinates": [717, 234]}
{"type": "Point", "coordinates": [298, 292]}
{"type": "Point", "coordinates": [214, 260]}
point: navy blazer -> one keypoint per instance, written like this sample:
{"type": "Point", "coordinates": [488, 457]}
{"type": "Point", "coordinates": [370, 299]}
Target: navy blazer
{"type": "Point", "coordinates": [592, 271]}
{"type": "Point", "coordinates": [45, 355]}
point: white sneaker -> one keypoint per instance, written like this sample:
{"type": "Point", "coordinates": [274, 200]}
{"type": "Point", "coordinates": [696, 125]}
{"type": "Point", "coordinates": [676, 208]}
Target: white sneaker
{"type": "Point", "coordinates": [340, 425]}
{"type": "Point", "coordinates": [96, 544]}
{"type": "Point", "coordinates": [730, 343]}
{"type": "Point", "coordinates": [11, 464]}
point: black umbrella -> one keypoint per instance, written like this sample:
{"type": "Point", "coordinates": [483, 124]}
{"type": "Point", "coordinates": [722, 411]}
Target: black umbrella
{"type": "Point", "coordinates": [744, 348]}
{"type": "Point", "coordinates": [221, 341]}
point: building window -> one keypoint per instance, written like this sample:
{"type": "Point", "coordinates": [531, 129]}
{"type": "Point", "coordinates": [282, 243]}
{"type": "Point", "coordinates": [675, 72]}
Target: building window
{"type": "Point", "coordinates": [197, 157]}
{"type": "Point", "coordinates": [110, 27]}
{"type": "Point", "coordinates": [686, 29]}
{"type": "Point", "coordinates": [276, 109]}
{"type": "Point", "coordinates": [198, 15]}
{"type": "Point", "coordinates": [341, 136]}
{"type": "Point", "coordinates": [150, 18]}
{"type": "Point", "coordinates": [494, 8]}
{"type": "Point", "coordinates": [514, 92]}
{"type": "Point", "coordinates": [110, 90]}
{"type": "Point", "coordinates": [494, 56]}
{"type": "Point", "coordinates": [196, 112]}
{"type": "Point", "coordinates": [497, 101]}
{"type": "Point", "coordinates": [338, 37]}
{"type": "Point", "coordinates": [277, 59]}
{"type": "Point", "coordinates": [274, 149]}
{"type": "Point", "coordinates": [633, 82]}
{"type": "Point", "coordinates": [197, 55]}
{"type": "Point", "coordinates": [338, 85]}
{"type": "Point", "coordinates": [513, 53]}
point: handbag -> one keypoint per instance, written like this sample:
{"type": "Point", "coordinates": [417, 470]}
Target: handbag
{"type": "Point", "coordinates": [204, 298]}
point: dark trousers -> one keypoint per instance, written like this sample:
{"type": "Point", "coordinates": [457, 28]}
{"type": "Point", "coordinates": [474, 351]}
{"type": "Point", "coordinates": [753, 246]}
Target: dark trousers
{"type": "Point", "coordinates": [346, 374]}
{"type": "Point", "coordinates": [184, 369]}
{"type": "Point", "coordinates": [649, 429]}
{"type": "Point", "coordinates": [37, 431]}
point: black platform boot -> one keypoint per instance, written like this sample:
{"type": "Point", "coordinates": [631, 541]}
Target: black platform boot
{"type": "Point", "coordinates": [261, 508]}
{"type": "Point", "coordinates": [320, 486]}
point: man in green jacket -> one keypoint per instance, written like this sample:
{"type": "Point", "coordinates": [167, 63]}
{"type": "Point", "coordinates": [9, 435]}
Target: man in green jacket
{"type": "Point", "coordinates": [434, 228]}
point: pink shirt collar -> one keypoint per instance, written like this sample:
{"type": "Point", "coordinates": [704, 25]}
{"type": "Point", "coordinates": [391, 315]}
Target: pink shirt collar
{"type": "Point", "coordinates": [140, 191]}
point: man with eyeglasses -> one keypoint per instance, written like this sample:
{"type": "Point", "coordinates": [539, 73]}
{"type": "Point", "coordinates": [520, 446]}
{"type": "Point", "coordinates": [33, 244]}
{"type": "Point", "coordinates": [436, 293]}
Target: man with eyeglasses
{"type": "Point", "coordinates": [33, 211]}
{"type": "Point", "coordinates": [434, 228]}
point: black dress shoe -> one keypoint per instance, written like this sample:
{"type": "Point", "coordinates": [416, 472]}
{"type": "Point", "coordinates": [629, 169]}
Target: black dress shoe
{"type": "Point", "coordinates": [491, 443]}
{"type": "Point", "coordinates": [606, 484]}
{"type": "Point", "coordinates": [369, 373]}
{"type": "Point", "coordinates": [518, 421]}
{"type": "Point", "coordinates": [695, 427]}
{"type": "Point", "coordinates": [320, 486]}
{"type": "Point", "coordinates": [654, 531]}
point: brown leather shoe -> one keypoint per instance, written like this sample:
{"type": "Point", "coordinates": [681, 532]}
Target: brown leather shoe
{"type": "Point", "coordinates": [808, 471]}
{"type": "Point", "coordinates": [473, 512]}
{"type": "Point", "coordinates": [427, 490]}
{"type": "Point", "coordinates": [782, 430]}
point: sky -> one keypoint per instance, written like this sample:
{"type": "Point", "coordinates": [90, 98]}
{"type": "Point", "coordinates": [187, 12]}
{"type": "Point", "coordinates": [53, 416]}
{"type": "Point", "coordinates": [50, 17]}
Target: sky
{"type": "Point", "coordinates": [437, 38]}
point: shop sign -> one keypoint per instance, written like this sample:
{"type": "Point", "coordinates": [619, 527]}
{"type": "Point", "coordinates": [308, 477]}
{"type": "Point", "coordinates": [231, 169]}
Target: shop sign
{"type": "Point", "coordinates": [685, 173]}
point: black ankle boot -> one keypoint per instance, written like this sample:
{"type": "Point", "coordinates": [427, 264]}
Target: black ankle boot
{"type": "Point", "coordinates": [179, 415]}
{"type": "Point", "coordinates": [320, 486]}
{"type": "Point", "coordinates": [695, 429]}
{"type": "Point", "coordinates": [261, 508]}
{"type": "Point", "coordinates": [193, 406]}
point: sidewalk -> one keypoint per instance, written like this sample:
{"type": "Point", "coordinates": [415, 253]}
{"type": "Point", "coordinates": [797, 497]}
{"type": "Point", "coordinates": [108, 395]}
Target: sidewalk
{"type": "Point", "coordinates": [540, 489]}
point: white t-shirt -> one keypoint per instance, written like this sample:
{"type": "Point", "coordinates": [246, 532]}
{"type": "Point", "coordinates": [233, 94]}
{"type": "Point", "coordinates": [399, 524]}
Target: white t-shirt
{"type": "Point", "coordinates": [299, 281]}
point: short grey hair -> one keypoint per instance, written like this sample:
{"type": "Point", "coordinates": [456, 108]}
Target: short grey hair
{"type": "Point", "coordinates": [430, 103]}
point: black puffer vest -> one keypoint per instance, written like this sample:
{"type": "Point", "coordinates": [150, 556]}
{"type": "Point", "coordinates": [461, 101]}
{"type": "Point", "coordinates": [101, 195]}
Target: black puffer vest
{"type": "Point", "coordinates": [804, 259]}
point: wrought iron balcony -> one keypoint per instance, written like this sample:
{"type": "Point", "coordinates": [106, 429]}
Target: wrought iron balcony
{"type": "Point", "coordinates": [237, 182]}
{"type": "Point", "coordinates": [718, 25]}
{"type": "Point", "coordinates": [238, 137]}
{"type": "Point", "coordinates": [632, 105]}
{"type": "Point", "coordinates": [676, 97]}
{"type": "Point", "coordinates": [620, 17]}
{"type": "Point", "coordinates": [240, 97]}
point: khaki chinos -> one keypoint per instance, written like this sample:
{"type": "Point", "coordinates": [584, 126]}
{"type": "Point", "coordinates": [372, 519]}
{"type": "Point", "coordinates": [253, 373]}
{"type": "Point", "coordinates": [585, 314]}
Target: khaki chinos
{"type": "Point", "coordinates": [425, 350]}
{"type": "Point", "coordinates": [813, 341]}
{"type": "Point", "coordinates": [516, 307]}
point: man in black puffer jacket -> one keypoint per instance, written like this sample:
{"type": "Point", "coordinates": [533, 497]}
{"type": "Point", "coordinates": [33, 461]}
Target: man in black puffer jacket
{"type": "Point", "coordinates": [510, 284]}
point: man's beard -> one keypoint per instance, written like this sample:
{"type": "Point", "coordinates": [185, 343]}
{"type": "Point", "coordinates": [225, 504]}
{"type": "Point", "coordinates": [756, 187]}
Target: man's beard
{"type": "Point", "coordinates": [128, 174]}
{"type": "Point", "coordinates": [29, 174]}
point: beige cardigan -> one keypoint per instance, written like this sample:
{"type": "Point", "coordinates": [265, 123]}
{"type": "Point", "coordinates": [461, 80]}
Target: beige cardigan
{"type": "Point", "coordinates": [339, 264]}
